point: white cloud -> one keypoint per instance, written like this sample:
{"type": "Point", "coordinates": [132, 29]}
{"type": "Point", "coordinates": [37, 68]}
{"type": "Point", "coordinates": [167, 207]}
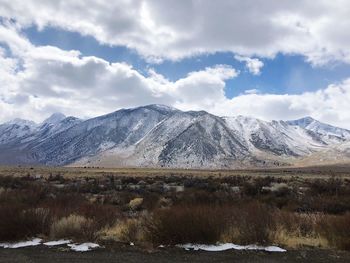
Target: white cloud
{"type": "Point", "coordinates": [158, 29]}
{"type": "Point", "coordinates": [254, 65]}
{"type": "Point", "coordinates": [252, 91]}
{"type": "Point", "coordinates": [330, 105]}
{"type": "Point", "coordinates": [39, 80]}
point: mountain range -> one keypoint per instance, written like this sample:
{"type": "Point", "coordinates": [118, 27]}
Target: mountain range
{"type": "Point", "coordinates": [162, 136]}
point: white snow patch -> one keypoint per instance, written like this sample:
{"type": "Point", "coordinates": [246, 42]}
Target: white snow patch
{"type": "Point", "coordinates": [274, 249]}
{"type": "Point", "coordinates": [34, 242]}
{"type": "Point", "coordinates": [83, 247]}
{"type": "Point", "coordinates": [57, 243]}
{"type": "Point", "coordinates": [227, 246]}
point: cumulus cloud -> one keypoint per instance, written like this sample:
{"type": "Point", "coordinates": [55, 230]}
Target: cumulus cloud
{"type": "Point", "coordinates": [39, 80]}
{"type": "Point", "coordinates": [249, 28]}
{"type": "Point", "coordinates": [254, 65]}
{"type": "Point", "coordinates": [329, 105]}
{"type": "Point", "coordinates": [42, 79]}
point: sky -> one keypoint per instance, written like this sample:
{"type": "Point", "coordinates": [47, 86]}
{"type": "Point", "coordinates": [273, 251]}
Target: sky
{"type": "Point", "coordinates": [267, 59]}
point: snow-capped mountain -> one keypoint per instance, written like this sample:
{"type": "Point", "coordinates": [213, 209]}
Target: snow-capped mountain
{"type": "Point", "coordinates": [161, 136]}
{"type": "Point", "coordinates": [328, 132]}
{"type": "Point", "coordinates": [15, 129]}
{"type": "Point", "coordinates": [19, 137]}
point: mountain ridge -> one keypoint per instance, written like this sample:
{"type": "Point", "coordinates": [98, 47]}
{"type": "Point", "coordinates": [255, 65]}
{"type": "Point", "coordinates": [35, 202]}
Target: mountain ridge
{"type": "Point", "coordinates": [162, 136]}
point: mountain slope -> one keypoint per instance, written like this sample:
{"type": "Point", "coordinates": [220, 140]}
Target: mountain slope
{"type": "Point", "coordinates": [326, 132]}
{"type": "Point", "coordinates": [19, 137]}
{"type": "Point", "coordinates": [16, 129]}
{"type": "Point", "coordinates": [161, 136]}
{"type": "Point", "coordinates": [276, 137]}
{"type": "Point", "coordinates": [121, 128]}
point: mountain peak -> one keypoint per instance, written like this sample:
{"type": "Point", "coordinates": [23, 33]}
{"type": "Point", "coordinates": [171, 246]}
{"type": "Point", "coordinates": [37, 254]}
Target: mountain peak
{"type": "Point", "coordinates": [160, 107]}
{"type": "Point", "coordinates": [21, 122]}
{"type": "Point", "coordinates": [54, 118]}
{"type": "Point", "coordinates": [307, 119]}
{"type": "Point", "coordinates": [302, 122]}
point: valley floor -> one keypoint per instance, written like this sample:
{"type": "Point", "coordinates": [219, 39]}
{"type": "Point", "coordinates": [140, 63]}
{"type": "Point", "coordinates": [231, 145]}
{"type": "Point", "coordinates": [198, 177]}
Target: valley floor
{"type": "Point", "coordinates": [305, 211]}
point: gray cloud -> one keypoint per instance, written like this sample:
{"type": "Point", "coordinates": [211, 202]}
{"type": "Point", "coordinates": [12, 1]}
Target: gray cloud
{"type": "Point", "coordinates": [160, 29]}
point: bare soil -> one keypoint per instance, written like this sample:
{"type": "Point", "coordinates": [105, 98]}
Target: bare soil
{"type": "Point", "coordinates": [43, 254]}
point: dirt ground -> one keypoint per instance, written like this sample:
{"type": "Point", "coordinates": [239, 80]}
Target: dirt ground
{"type": "Point", "coordinates": [132, 254]}
{"type": "Point", "coordinates": [285, 172]}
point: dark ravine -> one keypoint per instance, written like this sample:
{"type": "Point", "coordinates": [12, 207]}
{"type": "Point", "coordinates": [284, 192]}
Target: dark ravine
{"type": "Point", "coordinates": [161, 136]}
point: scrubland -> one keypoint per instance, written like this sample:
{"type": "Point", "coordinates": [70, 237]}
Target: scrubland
{"type": "Point", "coordinates": [164, 207]}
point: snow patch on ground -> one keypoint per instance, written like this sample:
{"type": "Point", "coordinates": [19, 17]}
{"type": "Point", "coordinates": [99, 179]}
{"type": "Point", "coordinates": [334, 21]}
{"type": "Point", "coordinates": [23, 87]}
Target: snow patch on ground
{"type": "Point", "coordinates": [57, 243]}
{"type": "Point", "coordinates": [83, 247]}
{"type": "Point", "coordinates": [37, 241]}
{"type": "Point", "coordinates": [227, 246]}
{"type": "Point", "coordinates": [30, 243]}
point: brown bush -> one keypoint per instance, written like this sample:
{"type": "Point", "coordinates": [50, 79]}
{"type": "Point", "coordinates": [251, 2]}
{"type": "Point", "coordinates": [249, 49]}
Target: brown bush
{"type": "Point", "coordinates": [296, 230]}
{"type": "Point", "coordinates": [128, 230]}
{"type": "Point", "coordinates": [28, 197]}
{"type": "Point", "coordinates": [63, 205]}
{"type": "Point", "coordinates": [101, 215]}
{"type": "Point", "coordinates": [18, 223]}
{"type": "Point", "coordinates": [331, 186]}
{"type": "Point", "coordinates": [336, 229]}
{"type": "Point", "coordinates": [74, 226]}
{"type": "Point", "coordinates": [93, 218]}
{"type": "Point", "coordinates": [187, 224]}
{"type": "Point", "coordinates": [252, 223]}
{"type": "Point", "coordinates": [25, 213]}
{"type": "Point", "coordinates": [136, 203]}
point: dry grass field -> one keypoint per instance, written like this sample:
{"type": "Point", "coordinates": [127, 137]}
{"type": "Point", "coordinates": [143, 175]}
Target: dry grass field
{"type": "Point", "coordinates": [309, 172]}
{"type": "Point", "coordinates": [295, 208]}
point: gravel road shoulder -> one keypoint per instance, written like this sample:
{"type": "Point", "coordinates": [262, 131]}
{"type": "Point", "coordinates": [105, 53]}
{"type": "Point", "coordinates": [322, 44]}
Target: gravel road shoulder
{"type": "Point", "coordinates": [43, 254]}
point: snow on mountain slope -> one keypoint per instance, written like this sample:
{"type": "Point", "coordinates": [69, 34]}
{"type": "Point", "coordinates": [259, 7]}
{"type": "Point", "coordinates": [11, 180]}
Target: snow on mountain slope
{"type": "Point", "coordinates": [328, 133]}
{"type": "Point", "coordinates": [277, 136]}
{"type": "Point", "coordinates": [54, 118]}
{"type": "Point", "coordinates": [206, 142]}
{"type": "Point", "coordinates": [161, 136]}
{"type": "Point", "coordinates": [15, 130]}
{"type": "Point", "coordinates": [51, 127]}
{"type": "Point", "coordinates": [118, 129]}
{"type": "Point", "coordinates": [19, 137]}
{"type": "Point", "coordinates": [190, 139]}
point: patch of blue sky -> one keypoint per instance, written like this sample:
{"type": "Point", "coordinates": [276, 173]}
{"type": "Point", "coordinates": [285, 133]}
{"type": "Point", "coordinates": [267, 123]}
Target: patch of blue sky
{"type": "Point", "coordinates": [284, 74]}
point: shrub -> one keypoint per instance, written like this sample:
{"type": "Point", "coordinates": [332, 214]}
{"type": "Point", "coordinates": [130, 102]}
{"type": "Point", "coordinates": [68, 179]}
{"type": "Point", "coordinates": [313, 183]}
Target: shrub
{"type": "Point", "coordinates": [18, 223]}
{"type": "Point", "coordinates": [331, 186]}
{"type": "Point", "coordinates": [186, 224]}
{"type": "Point", "coordinates": [63, 205]}
{"type": "Point", "coordinates": [101, 215]}
{"type": "Point", "coordinates": [129, 230]}
{"type": "Point", "coordinates": [296, 230]}
{"type": "Point", "coordinates": [136, 203]}
{"type": "Point", "coordinates": [336, 229]}
{"type": "Point", "coordinates": [74, 226]}
{"type": "Point", "coordinates": [252, 188]}
{"type": "Point", "coordinates": [252, 223]}
{"type": "Point", "coordinates": [27, 197]}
